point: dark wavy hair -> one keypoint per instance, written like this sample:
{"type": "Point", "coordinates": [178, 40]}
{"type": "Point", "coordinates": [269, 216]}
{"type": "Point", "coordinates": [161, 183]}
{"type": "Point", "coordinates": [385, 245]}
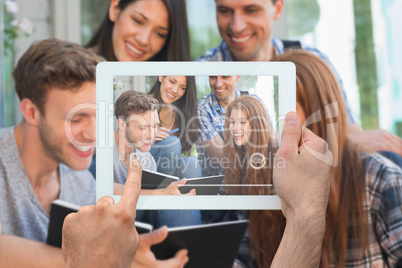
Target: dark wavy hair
{"type": "Point", "coordinates": [187, 105]}
{"type": "Point", "coordinates": [177, 45]}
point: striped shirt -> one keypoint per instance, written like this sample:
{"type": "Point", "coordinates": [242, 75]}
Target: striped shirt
{"type": "Point", "coordinates": [211, 116]}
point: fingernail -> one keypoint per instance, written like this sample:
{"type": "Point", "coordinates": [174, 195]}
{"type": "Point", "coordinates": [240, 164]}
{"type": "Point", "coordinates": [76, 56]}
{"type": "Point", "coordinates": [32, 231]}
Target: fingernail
{"type": "Point", "coordinates": [159, 232]}
{"type": "Point", "coordinates": [292, 119]}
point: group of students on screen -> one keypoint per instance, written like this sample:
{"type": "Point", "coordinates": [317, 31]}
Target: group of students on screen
{"type": "Point", "coordinates": [364, 212]}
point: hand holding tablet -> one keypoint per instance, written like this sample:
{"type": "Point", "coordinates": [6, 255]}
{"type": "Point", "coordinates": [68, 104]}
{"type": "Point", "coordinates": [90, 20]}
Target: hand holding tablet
{"type": "Point", "coordinates": [271, 82]}
{"type": "Point", "coordinates": [312, 173]}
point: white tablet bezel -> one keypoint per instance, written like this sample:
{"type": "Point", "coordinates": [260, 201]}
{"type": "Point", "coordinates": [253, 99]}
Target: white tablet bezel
{"type": "Point", "coordinates": [105, 71]}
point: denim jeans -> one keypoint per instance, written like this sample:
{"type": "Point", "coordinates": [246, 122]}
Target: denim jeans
{"type": "Point", "coordinates": [188, 167]}
{"type": "Point", "coordinates": [167, 155]}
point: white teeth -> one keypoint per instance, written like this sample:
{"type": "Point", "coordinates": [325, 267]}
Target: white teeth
{"type": "Point", "coordinates": [170, 95]}
{"type": "Point", "coordinates": [238, 135]}
{"type": "Point", "coordinates": [134, 50]}
{"type": "Point", "coordinates": [145, 141]}
{"type": "Point", "coordinates": [82, 148]}
{"type": "Point", "coordinates": [240, 40]}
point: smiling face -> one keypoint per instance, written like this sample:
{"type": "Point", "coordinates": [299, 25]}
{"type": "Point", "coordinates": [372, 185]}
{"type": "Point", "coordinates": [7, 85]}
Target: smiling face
{"type": "Point", "coordinates": [239, 127]}
{"type": "Point", "coordinates": [172, 88]}
{"type": "Point", "coordinates": [140, 30]}
{"type": "Point", "coordinates": [69, 139]}
{"type": "Point", "coordinates": [246, 25]}
{"type": "Point", "coordinates": [223, 86]}
{"type": "Point", "coordinates": [140, 130]}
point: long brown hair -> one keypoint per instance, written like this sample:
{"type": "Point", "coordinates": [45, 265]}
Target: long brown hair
{"type": "Point", "coordinates": [239, 170]}
{"type": "Point", "coordinates": [319, 95]}
{"type": "Point", "coordinates": [187, 105]}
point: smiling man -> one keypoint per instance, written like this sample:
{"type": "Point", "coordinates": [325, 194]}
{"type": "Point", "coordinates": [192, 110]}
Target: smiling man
{"type": "Point", "coordinates": [211, 120]}
{"type": "Point", "coordinates": [137, 120]}
{"type": "Point", "coordinates": [44, 157]}
{"type": "Point", "coordinates": [246, 26]}
{"type": "Point", "coordinates": [246, 29]}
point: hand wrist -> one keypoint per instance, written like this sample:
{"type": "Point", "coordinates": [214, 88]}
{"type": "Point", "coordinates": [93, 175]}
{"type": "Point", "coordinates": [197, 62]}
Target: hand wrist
{"type": "Point", "coordinates": [315, 218]}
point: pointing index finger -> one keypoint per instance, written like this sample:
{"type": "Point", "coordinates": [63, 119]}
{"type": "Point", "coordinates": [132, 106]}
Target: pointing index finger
{"type": "Point", "coordinates": [132, 187]}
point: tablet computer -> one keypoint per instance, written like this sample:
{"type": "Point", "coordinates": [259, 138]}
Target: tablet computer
{"type": "Point", "coordinates": [273, 83]}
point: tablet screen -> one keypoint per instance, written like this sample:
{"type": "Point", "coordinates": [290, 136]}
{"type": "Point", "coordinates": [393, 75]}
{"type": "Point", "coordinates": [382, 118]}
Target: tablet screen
{"type": "Point", "coordinates": [245, 131]}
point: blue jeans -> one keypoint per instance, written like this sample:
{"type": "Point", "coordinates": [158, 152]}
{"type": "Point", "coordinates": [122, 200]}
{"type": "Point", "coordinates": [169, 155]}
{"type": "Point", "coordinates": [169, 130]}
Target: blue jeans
{"type": "Point", "coordinates": [396, 158]}
{"type": "Point", "coordinates": [167, 155]}
{"type": "Point", "coordinates": [170, 218]}
{"type": "Point", "coordinates": [188, 167]}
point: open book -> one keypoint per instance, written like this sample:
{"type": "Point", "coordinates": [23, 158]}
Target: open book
{"type": "Point", "coordinates": [203, 186]}
{"type": "Point", "coordinates": [60, 209]}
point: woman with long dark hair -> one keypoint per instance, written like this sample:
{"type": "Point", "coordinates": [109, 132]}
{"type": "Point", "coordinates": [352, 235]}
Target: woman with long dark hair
{"type": "Point", "coordinates": [151, 30]}
{"type": "Point", "coordinates": [178, 98]}
{"type": "Point", "coordinates": [364, 215]}
{"type": "Point", "coordinates": [146, 30]}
